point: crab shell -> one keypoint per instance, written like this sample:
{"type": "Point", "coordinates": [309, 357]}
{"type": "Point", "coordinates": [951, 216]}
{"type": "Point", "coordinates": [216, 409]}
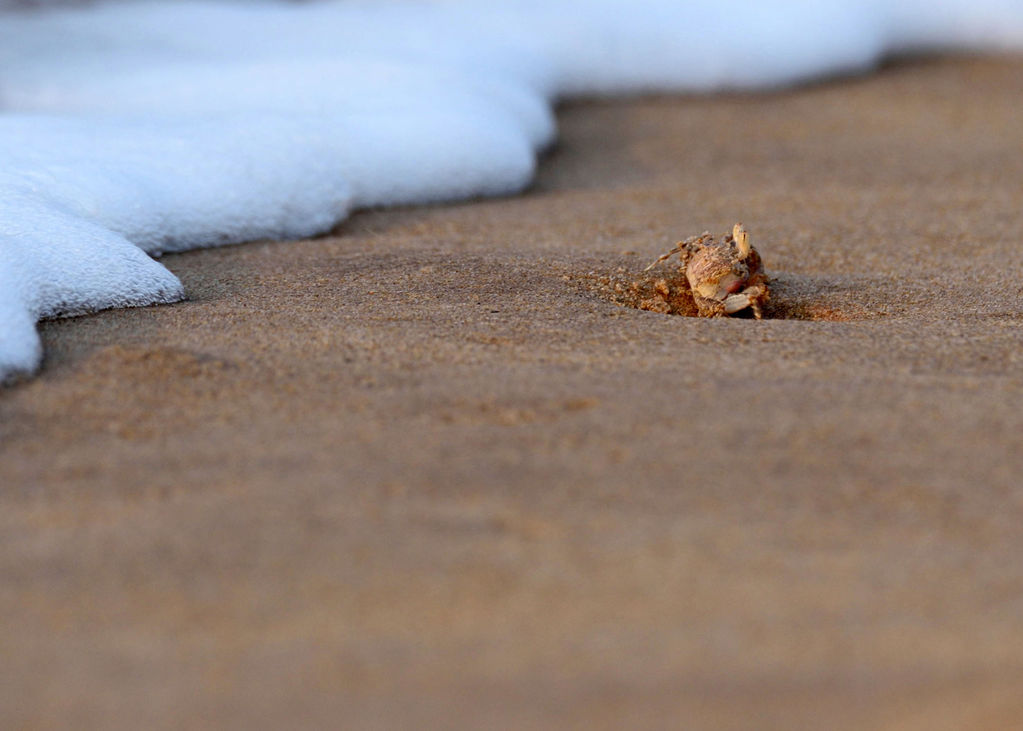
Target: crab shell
{"type": "Point", "coordinates": [727, 276]}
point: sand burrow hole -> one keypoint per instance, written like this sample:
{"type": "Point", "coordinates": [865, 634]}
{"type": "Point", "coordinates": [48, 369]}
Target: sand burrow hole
{"type": "Point", "coordinates": [665, 290]}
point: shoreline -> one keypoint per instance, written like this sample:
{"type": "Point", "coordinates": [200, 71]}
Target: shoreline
{"type": "Point", "coordinates": [410, 473]}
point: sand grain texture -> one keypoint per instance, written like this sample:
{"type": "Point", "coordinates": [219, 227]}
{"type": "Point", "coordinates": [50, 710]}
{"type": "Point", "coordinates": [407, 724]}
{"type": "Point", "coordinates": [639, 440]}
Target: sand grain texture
{"type": "Point", "coordinates": [422, 473]}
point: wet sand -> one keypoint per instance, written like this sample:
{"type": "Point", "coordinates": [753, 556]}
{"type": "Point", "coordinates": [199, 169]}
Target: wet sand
{"type": "Point", "coordinates": [423, 473]}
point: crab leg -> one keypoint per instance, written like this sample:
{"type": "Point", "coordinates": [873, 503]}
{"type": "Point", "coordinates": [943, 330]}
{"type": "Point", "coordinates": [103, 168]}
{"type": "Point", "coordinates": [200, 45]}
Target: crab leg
{"type": "Point", "coordinates": [664, 257]}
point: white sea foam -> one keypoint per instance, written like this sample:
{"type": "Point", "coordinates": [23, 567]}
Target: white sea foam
{"type": "Point", "coordinates": [131, 129]}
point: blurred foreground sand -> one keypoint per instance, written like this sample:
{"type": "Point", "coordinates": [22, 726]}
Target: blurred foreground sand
{"type": "Point", "coordinates": [420, 475]}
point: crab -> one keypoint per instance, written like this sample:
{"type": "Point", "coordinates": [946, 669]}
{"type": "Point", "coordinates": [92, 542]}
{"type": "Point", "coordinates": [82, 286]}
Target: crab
{"type": "Point", "coordinates": [725, 276]}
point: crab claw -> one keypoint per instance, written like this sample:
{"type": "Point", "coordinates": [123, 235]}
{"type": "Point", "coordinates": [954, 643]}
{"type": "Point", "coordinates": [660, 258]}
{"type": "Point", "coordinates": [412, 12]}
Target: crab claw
{"type": "Point", "coordinates": [737, 302]}
{"type": "Point", "coordinates": [749, 297]}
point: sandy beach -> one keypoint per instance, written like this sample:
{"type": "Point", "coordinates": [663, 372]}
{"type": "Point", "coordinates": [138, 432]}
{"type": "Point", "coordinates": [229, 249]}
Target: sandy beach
{"type": "Point", "coordinates": [423, 472]}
